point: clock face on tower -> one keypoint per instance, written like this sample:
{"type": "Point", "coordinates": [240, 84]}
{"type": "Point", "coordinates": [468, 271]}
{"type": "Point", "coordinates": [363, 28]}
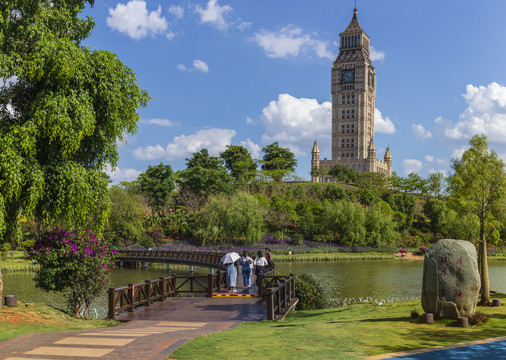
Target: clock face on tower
{"type": "Point", "coordinates": [348, 76]}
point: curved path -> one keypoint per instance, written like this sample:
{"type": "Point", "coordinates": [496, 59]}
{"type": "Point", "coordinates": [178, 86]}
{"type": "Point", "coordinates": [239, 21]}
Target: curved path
{"type": "Point", "coordinates": [153, 333]}
{"type": "Point", "coordinates": [198, 258]}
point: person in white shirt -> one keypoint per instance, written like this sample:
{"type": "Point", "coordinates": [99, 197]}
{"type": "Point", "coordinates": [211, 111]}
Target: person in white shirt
{"type": "Point", "coordinates": [260, 264]}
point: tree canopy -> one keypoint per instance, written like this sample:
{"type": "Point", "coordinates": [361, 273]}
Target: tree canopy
{"type": "Point", "coordinates": [477, 187]}
{"type": "Point", "coordinates": [278, 161]}
{"type": "Point", "coordinates": [157, 183]}
{"type": "Point", "coordinates": [238, 161]}
{"type": "Point", "coordinates": [62, 112]}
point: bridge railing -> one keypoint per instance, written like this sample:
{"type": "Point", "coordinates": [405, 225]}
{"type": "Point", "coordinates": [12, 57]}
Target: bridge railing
{"type": "Point", "coordinates": [186, 257]}
{"type": "Point", "coordinates": [129, 297]}
{"type": "Point", "coordinates": [280, 296]}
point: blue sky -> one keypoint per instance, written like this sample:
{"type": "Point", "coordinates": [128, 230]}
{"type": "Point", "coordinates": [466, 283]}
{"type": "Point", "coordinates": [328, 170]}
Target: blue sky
{"type": "Point", "coordinates": [252, 72]}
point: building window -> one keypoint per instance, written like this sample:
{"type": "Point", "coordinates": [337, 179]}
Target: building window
{"type": "Point", "coordinates": [353, 101]}
{"type": "Point", "coordinates": [343, 126]}
{"type": "Point", "coordinates": [353, 116]}
{"type": "Point", "coordinates": [352, 131]}
{"type": "Point", "coordinates": [365, 167]}
{"type": "Point", "coordinates": [353, 96]}
{"type": "Point", "coordinates": [347, 101]}
{"type": "Point", "coordinates": [343, 131]}
{"type": "Point", "coordinates": [352, 126]}
{"type": "Point", "coordinates": [342, 155]}
{"type": "Point", "coordinates": [347, 131]}
{"type": "Point", "coordinates": [348, 126]}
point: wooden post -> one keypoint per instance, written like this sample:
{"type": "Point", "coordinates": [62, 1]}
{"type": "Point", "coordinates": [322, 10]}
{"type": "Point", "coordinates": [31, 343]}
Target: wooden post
{"type": "Point", "coordinates": [270, 304]}
{"type": "Point", "coordinates": [147, 288]}
{"type": "Point", "coordinates": [210, 285]}
{"type": "Point", "coordinates": [131, 296]}
{"type": "Point", "coordinates": [162, 292]}
{"type": "Point", "coordinates": [111, 313]}
{"type": "Point", "coordinates": [173, 280]}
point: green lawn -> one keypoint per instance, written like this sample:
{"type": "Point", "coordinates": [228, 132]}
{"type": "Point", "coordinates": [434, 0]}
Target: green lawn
{"type": "Point", "coordinates": [15, 259]}
{"type": "Point", "coordinates": [353, 332]}
{"type": "Point", "coordinates": [28, 318]}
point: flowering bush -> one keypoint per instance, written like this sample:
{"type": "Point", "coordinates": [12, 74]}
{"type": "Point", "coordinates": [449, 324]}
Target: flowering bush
{"type": "Point", "coordinates": [403, 252]}
{"type": "Point", "coordinates": [76, 263]}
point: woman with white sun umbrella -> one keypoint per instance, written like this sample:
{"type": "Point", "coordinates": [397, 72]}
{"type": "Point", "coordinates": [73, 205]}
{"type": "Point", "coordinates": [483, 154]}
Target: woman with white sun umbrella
{"type": "Point", "coordinates": [229, 260]}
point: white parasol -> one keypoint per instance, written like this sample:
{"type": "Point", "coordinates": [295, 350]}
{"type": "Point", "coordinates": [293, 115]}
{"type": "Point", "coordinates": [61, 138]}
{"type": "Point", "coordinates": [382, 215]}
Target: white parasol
{"type": "Point", "coordinates": [230, 258]}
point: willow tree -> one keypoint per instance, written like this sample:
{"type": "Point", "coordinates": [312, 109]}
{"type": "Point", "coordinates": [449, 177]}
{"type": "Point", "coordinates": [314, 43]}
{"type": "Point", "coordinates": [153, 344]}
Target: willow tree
{"type": "Point", "coordinates": [478, 187]}
{"type": "Point", "coordinates": [63, 107]}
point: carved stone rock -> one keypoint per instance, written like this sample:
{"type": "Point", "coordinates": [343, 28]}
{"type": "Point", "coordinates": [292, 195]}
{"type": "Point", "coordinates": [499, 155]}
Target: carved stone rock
{"type": "Point", "coordinates": [451, 281]}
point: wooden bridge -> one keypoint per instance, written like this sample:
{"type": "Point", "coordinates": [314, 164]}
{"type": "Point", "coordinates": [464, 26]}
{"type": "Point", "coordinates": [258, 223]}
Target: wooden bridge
{"type": "Point", "coordinates": [274, 298]}
{"type": "Point", "coordinates": [197, 258]}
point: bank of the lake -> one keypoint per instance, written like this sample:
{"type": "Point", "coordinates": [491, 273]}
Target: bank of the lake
{"type": "Point", "coordinates": [352, 332]}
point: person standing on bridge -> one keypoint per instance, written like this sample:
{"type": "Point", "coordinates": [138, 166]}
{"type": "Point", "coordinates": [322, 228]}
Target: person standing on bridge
{"type": "Point", "coordinates": [247, 263]}
{"type": "Point", "coordinates": [260, 264]}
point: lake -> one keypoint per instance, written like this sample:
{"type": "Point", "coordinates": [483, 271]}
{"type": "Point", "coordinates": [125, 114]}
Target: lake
{"type": "Point", "coordinates": [379, 280]}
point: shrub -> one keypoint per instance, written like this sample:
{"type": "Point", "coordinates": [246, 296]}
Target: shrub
{"type": "Point", "coordinates": [4, 250]}
{"type": "Point", "coordinates": [297, 239]}
{"type": "Point", "coordinates": [310, 293]}
{"type": "Point", "coordinates": [478, 318]}
{"type": "Point", "coordinates": [75, 262]}
{"type": "Point", "coordinates": [415, 314]}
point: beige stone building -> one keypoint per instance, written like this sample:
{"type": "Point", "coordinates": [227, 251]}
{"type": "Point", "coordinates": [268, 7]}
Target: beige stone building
{"type": "Point", "coordinates": [353, 88]}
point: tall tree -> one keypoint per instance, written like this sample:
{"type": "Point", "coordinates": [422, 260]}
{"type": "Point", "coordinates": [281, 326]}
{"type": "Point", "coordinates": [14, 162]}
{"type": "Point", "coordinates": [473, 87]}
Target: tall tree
{"type": "Point", "coordinates": [157, 183]}
{"type": "Point", "coordinates": [204, 175]}
{"type": "Point", "coordinates": [435, 210]}
{"type": "Point", "coordinates": [238, 161]}
{"type": "Point", "coordinates": [61, 114]}
{"type": "Point", "coordinates": [436, 183]}
{"type": "Point", "coordinates": [278, 161]}
{"type": "Point", "coordinates": [477, 186]}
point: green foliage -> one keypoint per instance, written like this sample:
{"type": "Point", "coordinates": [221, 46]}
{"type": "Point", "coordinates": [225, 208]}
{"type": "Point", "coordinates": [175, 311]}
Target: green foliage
{"type": "Point", "coordinates": [380, 228]}
{"type": "Point", "coordinates": [278, 161]}
{"type": "Point", "coordinates": [282, 213]}
{"type": "Point", "coordinates": [310, 293]}
{"type": "Point", "coordinates": [126, 216]}
{"type": "Point", "coordinates": [238, 161]}
{"type": "Point", "coordinates": [204, 175]}
{"type": "Point", "coordinates": [4, 250]}
{"type": "Point", "coordinates": [333, 193]}
{"type": "Point", "coordinates": [477, 186]}
{"type": "Point", "coordinates": [179, 223]}
{"type": "Point", "coordinates": [345, 222]}
{"type": "Point", "coordinates": [343, 174]}
{"type": "Point", "coordinates": [76, 262]}
{"type": "Point", "coordinates": [157, 183]}
{"type": "Point", "coordinates": [435, 210]}
{"type": "Point", "coordinates": [366, 197]}
{"type": "Point", "coordinates": [71, 104]}
{"type": "Point", "coordinates": [435, 183]}
{"type": "Point", "coordinates": [147, 242]}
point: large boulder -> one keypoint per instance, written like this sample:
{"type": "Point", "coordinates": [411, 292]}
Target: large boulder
{"type": "Point", "coordinates": [451, 281]}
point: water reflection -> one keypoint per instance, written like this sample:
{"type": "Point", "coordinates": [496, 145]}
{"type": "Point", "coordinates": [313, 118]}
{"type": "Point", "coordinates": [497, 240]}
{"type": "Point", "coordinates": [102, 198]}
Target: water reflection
{"type": "Point", "coordinates": [341, 279]}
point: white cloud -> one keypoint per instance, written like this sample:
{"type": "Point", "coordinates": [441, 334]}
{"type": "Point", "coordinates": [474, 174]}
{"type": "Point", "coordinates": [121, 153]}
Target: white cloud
{"type": "Point", "coordinates": [200, 66]}
{"type": "Point", "coordinates": [429, 158]}
{"type": "Point", "coordinates": [421, 132]}
{"type": "Point", "coordinates": [441, 161]}
{"type": "Point", "coordinates": [252, 147]}
{"type": "Point", "coordinates": [197, 64]}
{"type": "Point", "coordinates": [118, 175]}
{"type": "Point", "coordinates": [244, 25]}
{"type": "Point", "coordinates": [290, 41]}
{"type": "Point", "coordinates": [485, 114]}
{"type": "Point", "coordinates": [457, 153]}
{"type": "Point", "coordinates": [170, 35]}
{"type": "Point", "coordinates": [411, 166]}
{"type": "Point", "coordinates": [177, 11]}
{"type": "Point", "coordinates": [250, 121]}
{"type": "Point", "coordinates": [136, 21]}
{"type": "Point", "coordinates": [383, 124]}
{"type": "Point", "coordinates": [161, 122]}
{"type": "Point", "coordinates": [181, 147]}
{"type": "Point", "coordinates": [376, 54]}
{"type": "Point", "coordinates": [214, 14]}
{"type": "Point", "coordinates": [296, 123]}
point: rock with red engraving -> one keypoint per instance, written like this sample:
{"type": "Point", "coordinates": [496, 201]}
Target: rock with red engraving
{"type": "Point", "coordinates": [451, 281]}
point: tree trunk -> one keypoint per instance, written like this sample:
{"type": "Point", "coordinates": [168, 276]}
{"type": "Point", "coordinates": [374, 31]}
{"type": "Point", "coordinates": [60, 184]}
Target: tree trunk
{"type": "Point", "coordinates": [1, 288]}
{"type": "Point", "coordinates": [483, 266]}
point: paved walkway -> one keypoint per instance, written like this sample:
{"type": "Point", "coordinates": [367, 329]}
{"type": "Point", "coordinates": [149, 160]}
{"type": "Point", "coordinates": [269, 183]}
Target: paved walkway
{"type": "Point", "coordinates": [153, 332]}
{"type": "Point", "coordinates": [490, 349]}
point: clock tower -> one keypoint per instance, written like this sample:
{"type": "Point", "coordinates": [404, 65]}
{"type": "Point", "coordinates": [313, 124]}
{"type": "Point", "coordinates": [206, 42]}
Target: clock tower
{"type": "Point", "coordinates": [353, 88]}
{"type": "Point", "coordinates": [353, 94]}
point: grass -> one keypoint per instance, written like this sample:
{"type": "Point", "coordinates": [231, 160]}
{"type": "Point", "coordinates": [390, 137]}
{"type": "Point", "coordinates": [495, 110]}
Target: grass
{"type": "Point", "coordinates": [352, 332]}
{"type": "Point", "coordinates": [29, 318]}
{"type": "Point", "coordinates": [15, 260]}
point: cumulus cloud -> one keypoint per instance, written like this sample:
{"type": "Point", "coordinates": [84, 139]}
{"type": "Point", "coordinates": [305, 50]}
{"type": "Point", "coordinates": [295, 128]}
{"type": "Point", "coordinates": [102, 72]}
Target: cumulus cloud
{"type": "Point", "coordinates": [383, 124]}
{"type": "Point", "coordinates": [170, 35]}
{"type": "Point", "coordinates": [177, 11]}
{"type": "Point", "coordinates": [197, 64]}
{"type": "Point", "coordinates": [244, 25]}
{"type": "Point", "coordinates": [161, 122]}
{"type": "Point", "coordinates": [181, 147]}
{"type": "Point", "coordinates": [252, 147]}
{"type": "Point", "coordinates": [485, 114]}
{"type": "Point", "coordinates": [136, 21]}
{"type": "Point", "coordinates": [457, 153]}
{"type": "Point", "coordinates": [421, 132]}
{"type": "Point", "coordinates": [376, 54]}
{"type": "Point", "coordinates": [411, 166]}
{"type": "Point", "coordinates": [290, 41]}
{"type": "Point", "coordinates": [429, 158]}
{"type": "Point", "coordinates": [118, 175]}
{"type": "Point", "coordinates": [296, 123]}
{"type": "Point", "coordinates": [214, 14]}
